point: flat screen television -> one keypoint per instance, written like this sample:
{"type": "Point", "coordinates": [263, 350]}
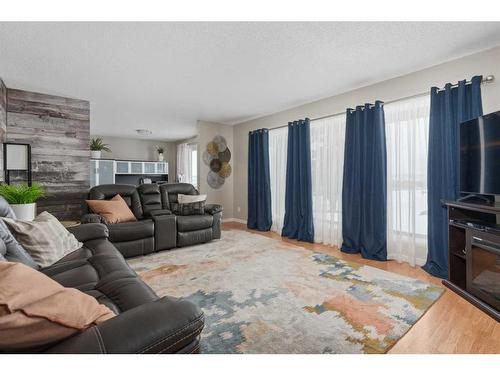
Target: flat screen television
{"type": "Point", "coordinates": [480, 155]}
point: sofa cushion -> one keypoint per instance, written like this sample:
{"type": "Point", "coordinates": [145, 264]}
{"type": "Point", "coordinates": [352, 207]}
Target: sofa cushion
{"type": "Point", "coordinates": [113, 211]}
{"type": "Point", "coordinates": [99, 270]}
{"type": "Point", "coordinates": [13, 251]}
{"type": "Point", "coordinates": [127, 192]}
{"type": "Point", "coordinates": [170, 191]}
{"type": "Point", "coordinates": [189, 209]}
{"type": "Point", "coordinates": [194, 222]}
{"type": "Point", "coordinates": [44, 238]}
{"type": "Point", "coordinates": [150, 198]}
{"type": "Point", "coordinates": [189, 204]}
{"type": "Point", "coordinates": [36, 311]}
{"type": "Point", "coordinates": [187, 198]}
{"type": "Point", "coordinates": [194, 237]}
{"type": "Point", "coordinates": [131, 231]}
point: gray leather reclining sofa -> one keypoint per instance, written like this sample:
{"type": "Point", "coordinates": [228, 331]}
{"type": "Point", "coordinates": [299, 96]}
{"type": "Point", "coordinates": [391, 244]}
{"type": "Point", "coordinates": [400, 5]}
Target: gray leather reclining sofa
{"type": "Point", "coordinates": [157, 227]}
{"type": "Point", "coordinates": [144, 322]}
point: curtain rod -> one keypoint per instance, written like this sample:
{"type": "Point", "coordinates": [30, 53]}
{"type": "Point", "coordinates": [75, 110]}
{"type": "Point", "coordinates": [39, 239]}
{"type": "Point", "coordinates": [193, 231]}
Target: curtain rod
{"type": "Point", "coordinates": [488, 79]}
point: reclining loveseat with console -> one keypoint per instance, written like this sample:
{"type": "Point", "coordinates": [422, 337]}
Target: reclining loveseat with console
{"type": "Point", "coordinates": [158, 225]}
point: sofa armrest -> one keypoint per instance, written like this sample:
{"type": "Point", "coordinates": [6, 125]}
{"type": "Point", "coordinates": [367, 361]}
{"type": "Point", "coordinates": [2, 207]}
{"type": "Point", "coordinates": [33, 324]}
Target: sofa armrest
{"type": "Point", "coordinates": [87, 232]}
{"type": "Point", "coordinates": [213, 208]}
{"type": "Point", "coordinates": [165, 231]}
{"type": "Point", "coordinates": [153, 213]}
{"type": "Point", "coordinates": [164, 326]}
{"type": "Point", "coordinates": [92, 218]}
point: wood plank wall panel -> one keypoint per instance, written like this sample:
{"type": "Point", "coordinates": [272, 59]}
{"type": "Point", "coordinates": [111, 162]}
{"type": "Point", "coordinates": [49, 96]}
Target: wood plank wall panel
{"type": "Point", "coordinates": [58, 130]}
{"type": "Point", "coordinates": [3, 122]}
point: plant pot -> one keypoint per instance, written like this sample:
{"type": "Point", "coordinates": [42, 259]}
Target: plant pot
{"type": "Point", "coordinates": [160, 157]}
{"type": "Point", "coordinates": [95, 154]}
{"type": "Point", "coordinates": [25, 212]}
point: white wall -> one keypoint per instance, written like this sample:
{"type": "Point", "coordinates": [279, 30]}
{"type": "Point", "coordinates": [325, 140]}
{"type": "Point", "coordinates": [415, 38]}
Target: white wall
{"type": "Point", "coordinates": [140, 149]}
{"type": "Point", "coordinates": [224, 195]}
{"type": "Point", "coordinates": [486, 62]}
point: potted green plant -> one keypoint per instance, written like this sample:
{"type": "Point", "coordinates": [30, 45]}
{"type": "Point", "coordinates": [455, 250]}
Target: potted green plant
{"type": "Point", "coordinates": [160, 150]}
{"type": "Point", "coordinates": [96, 146]}
{"type": "Point", "coordinates": [22, 198]}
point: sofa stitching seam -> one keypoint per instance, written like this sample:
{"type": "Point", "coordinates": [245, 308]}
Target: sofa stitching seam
{"type": "Point", "coordinates": [100, 341]}
{"type": "Point", "coordinates": [173, 334]}
{"type": "Point", "coordinates": [181, 339]}
{"type": "Point", "coordinates": [195, 349]}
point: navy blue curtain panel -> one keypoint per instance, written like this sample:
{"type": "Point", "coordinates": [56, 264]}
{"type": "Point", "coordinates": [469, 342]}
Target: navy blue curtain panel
{"type": "Point", "coordinates": [259, 181]}
{"type": "Point", "coordinates": [449, 107]}
{"type": "Point", "coordinates": [298, 221]}
{"type": "Point", "coordinates": [364, 190]}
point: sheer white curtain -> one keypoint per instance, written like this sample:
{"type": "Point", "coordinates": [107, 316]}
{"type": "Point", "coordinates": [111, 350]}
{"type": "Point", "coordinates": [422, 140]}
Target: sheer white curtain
{"type": "Point", "coordinates": [407, 131]}
{"type": "Point", "coordinates": [278, 139]}
{"type": "Point", "coordinates": [187, 163]}
{"type": "Point", "coordinates": [327, 166]}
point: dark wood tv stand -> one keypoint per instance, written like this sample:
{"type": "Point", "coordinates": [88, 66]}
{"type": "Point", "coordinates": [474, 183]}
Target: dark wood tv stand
{"type": "Point", "coordinates": [460, 233]}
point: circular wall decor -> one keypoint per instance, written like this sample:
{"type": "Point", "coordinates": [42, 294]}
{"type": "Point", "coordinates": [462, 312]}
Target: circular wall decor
{"type": "Point", "coordinates": [221, 143]}
{"type": "Point", "coordinates": [217, 157]}
{"type": "Point", "coordinates": [207, 158]}
{"type": "Point", "coordinates": [225, 170]}
{"type": "Point", "coordinates": [225, 155]}
{"type": "Point", "coordinates": [215, 165]}
{"type": "Point", "coordinates": [213, 149]}
{"type": "Point", "coordinates": [214, 180]}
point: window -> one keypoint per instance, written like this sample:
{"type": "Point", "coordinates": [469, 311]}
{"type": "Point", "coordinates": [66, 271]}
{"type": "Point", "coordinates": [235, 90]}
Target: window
{"type": "Point", "coordinates": [194, 166]}
{"type": "Point", "coordinates": [187, 163]}
{"type": "Point", "coordinates": [278, 140]}
{"type": "Point", "coordinates": [407, 132]}
{"type": "Point", "coordinates": [327, 169]}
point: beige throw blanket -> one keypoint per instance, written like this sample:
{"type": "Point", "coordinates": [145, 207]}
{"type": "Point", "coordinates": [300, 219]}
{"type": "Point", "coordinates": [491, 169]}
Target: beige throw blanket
{"type": "Point", "coordinates": [35, 310]}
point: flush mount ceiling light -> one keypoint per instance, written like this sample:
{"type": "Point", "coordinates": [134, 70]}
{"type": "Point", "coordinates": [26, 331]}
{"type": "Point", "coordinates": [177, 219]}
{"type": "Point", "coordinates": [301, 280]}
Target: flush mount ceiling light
{"type": "Point", "coordinates": [143, 131]}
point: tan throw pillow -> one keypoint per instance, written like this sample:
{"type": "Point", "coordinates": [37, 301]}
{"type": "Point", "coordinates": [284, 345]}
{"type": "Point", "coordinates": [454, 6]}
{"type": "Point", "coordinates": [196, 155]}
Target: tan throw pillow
{"type": "Point", "coordinates": [44, 238]}
{"type": "Point", "coordinates": [36, 311]}
{"type": "Point", "coordinates": [113, 211]}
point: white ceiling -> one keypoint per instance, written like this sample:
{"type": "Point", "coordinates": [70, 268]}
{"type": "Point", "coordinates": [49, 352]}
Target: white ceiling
{"type": "Point", "coordinates": [166, 76]}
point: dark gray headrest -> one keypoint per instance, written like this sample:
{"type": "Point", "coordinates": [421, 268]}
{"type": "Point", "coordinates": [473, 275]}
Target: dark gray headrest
{"type": "Point", "coordinates": [148, 189]}
{"type": "Point", "coordinates": [179, 188]}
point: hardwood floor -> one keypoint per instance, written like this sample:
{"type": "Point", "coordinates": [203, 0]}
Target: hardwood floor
{"type": "Point", "coordinates": [451, 325]}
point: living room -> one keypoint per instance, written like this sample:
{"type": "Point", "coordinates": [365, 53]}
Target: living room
{"type": "Point", "coordinates": [251, 188]}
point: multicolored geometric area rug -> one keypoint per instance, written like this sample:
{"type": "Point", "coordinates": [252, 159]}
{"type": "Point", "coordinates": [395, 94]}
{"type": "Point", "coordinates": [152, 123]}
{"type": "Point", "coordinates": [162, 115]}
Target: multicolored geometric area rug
{"type": "Point", "coordinates": [262, 295]}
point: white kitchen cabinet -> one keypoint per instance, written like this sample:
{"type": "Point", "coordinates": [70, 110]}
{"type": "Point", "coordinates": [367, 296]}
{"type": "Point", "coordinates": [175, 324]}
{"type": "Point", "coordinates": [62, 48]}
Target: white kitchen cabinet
{"type": "Point", "coordinates": [162, 167]}
{"type": "Point", "coordinates": [103, 171]}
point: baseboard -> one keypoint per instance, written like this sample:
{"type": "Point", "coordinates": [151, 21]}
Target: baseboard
{"type": "Point", "coordinates": [234, 220]}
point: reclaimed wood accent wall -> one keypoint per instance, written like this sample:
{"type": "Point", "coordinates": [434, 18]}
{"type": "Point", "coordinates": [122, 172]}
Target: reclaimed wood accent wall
{"type": "Point", "coordinates": [58, 130]}
{"type": "Point", "coordinates": [3, 122]}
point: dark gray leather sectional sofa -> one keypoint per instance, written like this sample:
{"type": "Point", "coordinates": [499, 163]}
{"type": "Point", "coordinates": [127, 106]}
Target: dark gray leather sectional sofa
{"type": "Point", "coordinates": [144, 323]}
{"type": "Point", "coordinates": [157, 227]}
